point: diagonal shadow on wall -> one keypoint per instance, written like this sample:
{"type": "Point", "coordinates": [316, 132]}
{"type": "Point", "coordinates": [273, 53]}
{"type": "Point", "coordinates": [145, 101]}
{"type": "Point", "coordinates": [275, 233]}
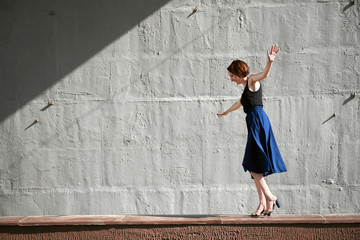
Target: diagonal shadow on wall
{"type": "Point", "coordinates": [42, 41]}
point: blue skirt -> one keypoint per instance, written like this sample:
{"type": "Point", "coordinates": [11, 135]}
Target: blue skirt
{"type": "Point", "coordinates": [262, 154]}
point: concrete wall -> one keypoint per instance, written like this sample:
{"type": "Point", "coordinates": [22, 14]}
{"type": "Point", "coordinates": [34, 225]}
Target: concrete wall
{"type": "Point", "coordinates": [136, 87]}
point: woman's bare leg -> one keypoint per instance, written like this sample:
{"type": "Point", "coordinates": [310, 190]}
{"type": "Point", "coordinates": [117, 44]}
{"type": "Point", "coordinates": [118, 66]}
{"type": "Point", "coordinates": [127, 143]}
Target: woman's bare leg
{"type": "Point", "coordinates": [262, 199]}
{"type": "Point", "coordinates": [270, 198]}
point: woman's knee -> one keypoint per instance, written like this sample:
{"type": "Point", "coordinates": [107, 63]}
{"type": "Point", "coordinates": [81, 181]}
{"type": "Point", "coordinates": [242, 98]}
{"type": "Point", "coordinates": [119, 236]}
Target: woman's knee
{"type": "Point", "coordinates": [256, 176]}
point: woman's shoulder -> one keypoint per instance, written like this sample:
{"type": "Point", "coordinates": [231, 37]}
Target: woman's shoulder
{"type": "Point", "coordinates": [251, 79]}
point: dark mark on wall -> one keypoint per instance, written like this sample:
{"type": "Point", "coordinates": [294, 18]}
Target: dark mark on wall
{"type": "Point", "coordinates": [352, 96]}
{"type": "Point", "coordinates": [32, 124]}
{"type": "Point", "coordinates": [47, 106]}
{"type": "Point", "coordinates": [351, 3]}
{"type": "Point", "coordinates": [193, 12]}
{"type": "Point", "coordinates": [332, 116]}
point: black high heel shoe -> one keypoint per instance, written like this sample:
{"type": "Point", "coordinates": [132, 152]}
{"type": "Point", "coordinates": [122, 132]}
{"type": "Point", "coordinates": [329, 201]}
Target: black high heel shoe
{"type": "Point", "coordinates": [275, 203]}
{"type": "Point", "coordinates": [255, 214]}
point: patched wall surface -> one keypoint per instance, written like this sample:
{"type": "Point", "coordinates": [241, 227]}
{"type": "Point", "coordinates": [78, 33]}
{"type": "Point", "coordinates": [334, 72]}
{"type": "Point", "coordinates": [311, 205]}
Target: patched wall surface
{"type": "Point", "coordinates": [136, 86]}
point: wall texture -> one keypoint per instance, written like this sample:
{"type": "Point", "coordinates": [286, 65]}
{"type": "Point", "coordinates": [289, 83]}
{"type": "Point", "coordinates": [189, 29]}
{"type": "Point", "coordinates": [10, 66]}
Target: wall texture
{"type": "Point", "coordinates": [136, 86]}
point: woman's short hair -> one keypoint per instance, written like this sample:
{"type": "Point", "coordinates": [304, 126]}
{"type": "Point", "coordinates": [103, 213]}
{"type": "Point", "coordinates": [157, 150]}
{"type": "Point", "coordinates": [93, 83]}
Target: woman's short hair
{"type": "Point", "coordinates": [239, 68]}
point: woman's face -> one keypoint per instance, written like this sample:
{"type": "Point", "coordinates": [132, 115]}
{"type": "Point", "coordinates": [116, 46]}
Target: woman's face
{"type": "Point", "coordinates": [234, 78]}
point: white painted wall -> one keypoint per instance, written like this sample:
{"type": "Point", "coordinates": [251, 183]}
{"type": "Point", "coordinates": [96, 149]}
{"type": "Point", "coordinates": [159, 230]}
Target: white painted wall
{"type": "Point", "coordinates": [136, 87]}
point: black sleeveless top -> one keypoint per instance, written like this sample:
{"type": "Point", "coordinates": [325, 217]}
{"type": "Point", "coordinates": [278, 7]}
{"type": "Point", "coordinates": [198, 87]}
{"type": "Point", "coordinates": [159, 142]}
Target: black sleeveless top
{"type": "Point", "coordinates": [250, 99]}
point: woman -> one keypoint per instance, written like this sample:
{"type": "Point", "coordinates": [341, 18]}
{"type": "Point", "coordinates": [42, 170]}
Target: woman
{"type": "Point", "coordinates": [262, 156]}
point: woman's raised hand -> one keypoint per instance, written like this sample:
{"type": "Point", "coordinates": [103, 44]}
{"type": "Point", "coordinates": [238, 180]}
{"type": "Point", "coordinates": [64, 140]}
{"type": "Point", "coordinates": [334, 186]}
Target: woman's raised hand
{"type": "Point", "coordinates": [272, 54]}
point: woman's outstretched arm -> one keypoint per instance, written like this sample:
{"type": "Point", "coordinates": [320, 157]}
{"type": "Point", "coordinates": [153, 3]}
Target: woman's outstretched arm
{"type": "Point", "coordinates": [234, 107]}
{"type": "Point", "coordinates": [271, 57]}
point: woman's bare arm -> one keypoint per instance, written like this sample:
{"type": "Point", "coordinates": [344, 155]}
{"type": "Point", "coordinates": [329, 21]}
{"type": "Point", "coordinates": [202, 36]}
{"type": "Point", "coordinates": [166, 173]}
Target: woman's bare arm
{"type": "Point", "coordinates": [271, 57]}
{"type": "Point", "coordinates": [234, 107]}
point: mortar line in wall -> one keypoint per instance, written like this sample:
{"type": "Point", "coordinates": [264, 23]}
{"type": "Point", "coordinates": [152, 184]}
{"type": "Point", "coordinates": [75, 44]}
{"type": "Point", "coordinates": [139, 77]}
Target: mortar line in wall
{"type": "Point", "coordinates": [185, 188]}
{"type": "Point", "coordinates": [202, 157]}
{"type": "Point", "coordinates": [199, 99]}
{"type": "Point", "coordinates": [219, 57]}
{"type": "Point", "coordinates": [323, 143]}
{"type": "Point", "coordinates": [185, 8]}
{"type": "Point", "coordinates": [245, 54]}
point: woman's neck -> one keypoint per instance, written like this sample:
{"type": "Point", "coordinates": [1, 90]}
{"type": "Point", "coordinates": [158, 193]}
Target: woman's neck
{"type": "Point", "coordinates": [245, 81]}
